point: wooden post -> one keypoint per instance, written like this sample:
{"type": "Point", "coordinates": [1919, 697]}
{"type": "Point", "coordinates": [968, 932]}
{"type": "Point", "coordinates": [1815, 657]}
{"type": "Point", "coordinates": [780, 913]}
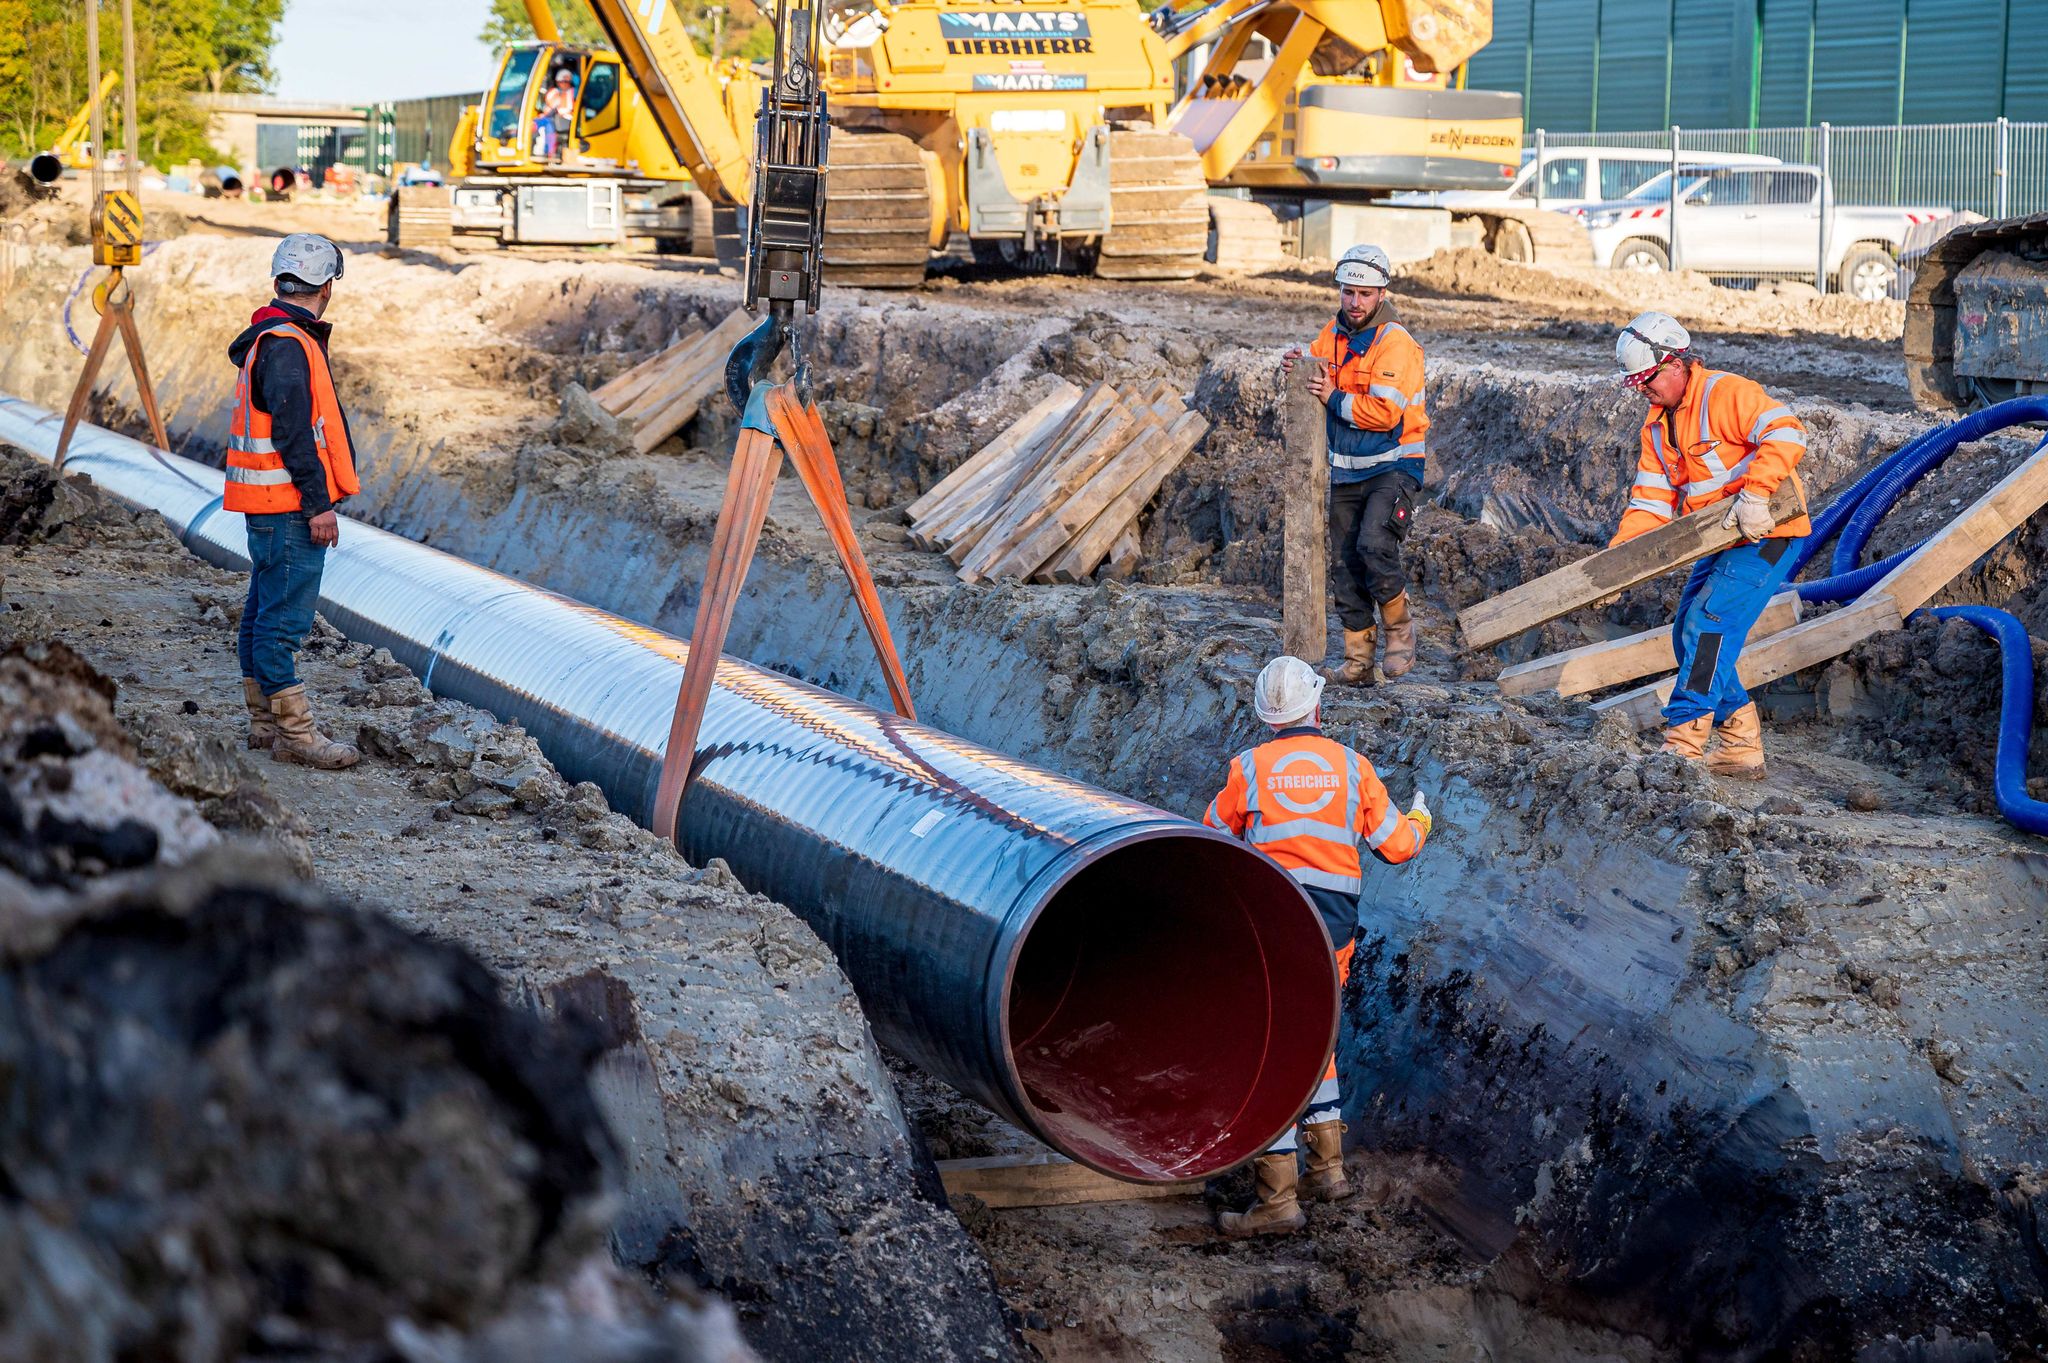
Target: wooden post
{"type": "Point", "coordinates": [1043, 1179]}
{"type": "Point", "coordinates": [1305, 532]}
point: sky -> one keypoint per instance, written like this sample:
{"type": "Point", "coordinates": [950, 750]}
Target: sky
{"type": "Point", "coordinates": [358, 51]}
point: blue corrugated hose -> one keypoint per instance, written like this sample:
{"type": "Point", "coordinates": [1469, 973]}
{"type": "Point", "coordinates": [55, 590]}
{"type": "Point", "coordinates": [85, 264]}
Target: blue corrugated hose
{"type": "Point", "coordinates": [2015, 714]}
{"type": "Point", "coordinates": [1857, 511]}
{"type": "Point", "coordinates": [1855, 514]}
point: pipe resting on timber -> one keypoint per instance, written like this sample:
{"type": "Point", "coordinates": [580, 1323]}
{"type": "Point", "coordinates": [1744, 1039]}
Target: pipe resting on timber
{"type": "Point", "coordinates": [1147, 996]}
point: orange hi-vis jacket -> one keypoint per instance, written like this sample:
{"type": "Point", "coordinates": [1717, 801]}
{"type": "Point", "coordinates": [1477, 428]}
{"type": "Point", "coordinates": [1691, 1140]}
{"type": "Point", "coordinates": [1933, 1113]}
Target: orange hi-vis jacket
{"type": "Point", "coordinates": [1376, 416]}
{"type": "Point", "coordinates": [1725, 435]}
{"type": "Point", "coordinates": [257, 480]}
{"type": "Point", "coordinates": [1306, 801]}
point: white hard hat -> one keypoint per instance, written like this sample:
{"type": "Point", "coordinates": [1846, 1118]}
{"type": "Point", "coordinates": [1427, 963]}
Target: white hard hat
{"type": "Point", "coordinates": [1288, 690]}
{"type": "Point", "coordinates": [1648, 341]}
{"type": "Point", "coordinates": [307, 256]}
{"type": "Point", "coordinates": [1365, 267]}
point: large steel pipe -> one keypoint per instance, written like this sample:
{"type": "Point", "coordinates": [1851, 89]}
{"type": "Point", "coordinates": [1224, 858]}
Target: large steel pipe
{"type": "Point", "coordinates": [1145, 995]}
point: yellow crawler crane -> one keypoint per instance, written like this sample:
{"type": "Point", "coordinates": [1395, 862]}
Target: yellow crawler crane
{"type": "Point", "coordinates": [1035, 128]}
{"type": "Point", "coordinates": [1359, 99]}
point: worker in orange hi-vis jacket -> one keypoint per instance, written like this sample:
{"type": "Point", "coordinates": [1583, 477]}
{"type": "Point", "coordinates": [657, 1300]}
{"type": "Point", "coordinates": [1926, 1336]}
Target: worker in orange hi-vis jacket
{"type": "Point", "coordinates": [1366, 370]}
{"type": "Point", "coordinates": [1307, 802]}
{"type": "Point", "coordinates": [1711, 437]}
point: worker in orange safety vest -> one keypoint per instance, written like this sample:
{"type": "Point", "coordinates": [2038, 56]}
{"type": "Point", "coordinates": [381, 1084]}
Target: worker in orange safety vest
{"type": "Point", "coordinates": [1307, 802]}
{"type": "Point", "coordinates": [289, 462]}
{"type": "Point", "coordinates": [1711, 437]}
{"type": "Point", "coordinates": [1366, 370]}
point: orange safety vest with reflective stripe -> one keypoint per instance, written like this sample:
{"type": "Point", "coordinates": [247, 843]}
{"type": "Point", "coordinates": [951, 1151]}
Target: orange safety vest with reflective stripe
{"type": "Point", "coordinates": [1307, 801]}
{"type": "Point", "coordinates": [1376, 416]}
{"type": "Point", "coordinates": [1730, 435]}
{"type": "Point", "coordinates": [257, 481]}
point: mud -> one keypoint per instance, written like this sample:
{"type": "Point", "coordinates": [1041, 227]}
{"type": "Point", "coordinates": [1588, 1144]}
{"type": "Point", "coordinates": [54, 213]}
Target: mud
{"type": "Point", "coordinates": [1659, 1064]}
{"type": "Point", "coordinates": [247, 1117]}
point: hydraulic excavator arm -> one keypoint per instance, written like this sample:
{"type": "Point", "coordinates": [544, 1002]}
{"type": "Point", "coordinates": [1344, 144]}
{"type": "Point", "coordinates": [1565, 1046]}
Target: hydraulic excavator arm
{"type": "Point", "coordinates": [681, 89]}
{"type": "Point", "coordinates": [784, 271]}
{"type": "Point", "coordinates": [75, 129]}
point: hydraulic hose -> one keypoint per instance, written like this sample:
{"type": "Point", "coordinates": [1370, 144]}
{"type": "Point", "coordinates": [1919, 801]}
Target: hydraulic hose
{"type": "Point", "coordinates": [2015, 713]}
{"type": "Point", "coordinates": [1148, 996]}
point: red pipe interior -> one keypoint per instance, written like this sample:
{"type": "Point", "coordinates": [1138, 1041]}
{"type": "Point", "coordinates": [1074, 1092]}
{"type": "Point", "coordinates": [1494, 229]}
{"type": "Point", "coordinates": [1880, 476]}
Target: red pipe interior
{"type": "Point", "coordinates": [1171, 1009]}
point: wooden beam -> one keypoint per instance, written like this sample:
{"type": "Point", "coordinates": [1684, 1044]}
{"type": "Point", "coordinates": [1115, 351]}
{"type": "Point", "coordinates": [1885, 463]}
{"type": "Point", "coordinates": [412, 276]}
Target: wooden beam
{"type": "Point", "coordinates": [1043, 1179]}
{"type": "Point", "coordinates": [1305, 533]}
{"type": "Point", "coordinates": [1046, 412]}
{"type": "Point", "coordinates": [623, 387]}
{"type": "Point", "coordinates": [1611, 570]}
{"type": "Point", "coordinates": [1610, 662]}
{"type": "Point", "coordinates": [1099, 536]}
{"type": "Point", "coordinates": [977, 550]}
{"type": "Point", "coordinates": [1804, 645]}
{"type": "Point", "coordinates": [1885, 605]}
{"type": "Point", "coordinates": [1058, 527]}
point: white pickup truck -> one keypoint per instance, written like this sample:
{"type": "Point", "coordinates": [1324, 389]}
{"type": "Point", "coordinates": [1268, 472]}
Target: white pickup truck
{"type": "Point", "coordinates": [1753, 222]}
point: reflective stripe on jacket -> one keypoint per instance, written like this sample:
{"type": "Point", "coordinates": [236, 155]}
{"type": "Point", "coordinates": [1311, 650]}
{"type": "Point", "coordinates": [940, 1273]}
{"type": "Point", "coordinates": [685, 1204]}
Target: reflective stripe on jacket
{"type": "Point", "coordinates": [1375, 415]}
{"type": "Point", "coordinates": [1732, 435]}
{"type": "Point", "coordinates": [257, 481]}
{"type": "Point", "coordinates": [1307, 801]}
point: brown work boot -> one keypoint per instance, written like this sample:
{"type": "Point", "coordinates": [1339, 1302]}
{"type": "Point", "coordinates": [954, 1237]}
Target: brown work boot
{"type": "Point", "coordinates": [262, 724]}
{"type": "Point", "coordinates": [1400, 655]}
{"type": "Point", "coordinates": [1741, 754]}
{"type": "Point", "coordinates": [1277, 1209]}
{"type": "Point", "coordinates": [1357, 666]}
{"type": "Point", "coordinates": [299, 739]}
{"type": "Point", "coordinates": [1324, 1180]}
{"type": "Point", "coordinates": [1689, 740]}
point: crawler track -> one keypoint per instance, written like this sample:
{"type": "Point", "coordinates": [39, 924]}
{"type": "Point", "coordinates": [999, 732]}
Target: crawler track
{"type": "Point", "coordinates": [1158, 207]}
{"type": "Point", "coordinates": [879, 205]}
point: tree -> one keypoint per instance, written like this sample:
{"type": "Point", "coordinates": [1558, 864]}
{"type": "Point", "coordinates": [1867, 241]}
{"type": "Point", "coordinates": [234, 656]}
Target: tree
{"type": "Point", "coordinates": [183, 47]}
{"type": "Point", "coordinates": [509, 23]}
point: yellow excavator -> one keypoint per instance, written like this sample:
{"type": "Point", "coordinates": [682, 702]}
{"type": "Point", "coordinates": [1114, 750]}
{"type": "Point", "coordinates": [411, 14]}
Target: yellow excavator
{"type": "Point", "coordinates": [1316, 110]}
{"type": "Point", "coordinates": [1030, 126]}
{"type": "Point", "coordinates": [72, 150]}
{"type": "Point", "coordinates": [609, 176]}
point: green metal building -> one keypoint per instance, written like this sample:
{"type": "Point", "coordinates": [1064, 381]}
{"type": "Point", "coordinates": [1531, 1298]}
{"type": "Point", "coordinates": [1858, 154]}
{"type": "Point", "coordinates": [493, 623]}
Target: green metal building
{"type": "Point", "coordinates": [1627, 65]}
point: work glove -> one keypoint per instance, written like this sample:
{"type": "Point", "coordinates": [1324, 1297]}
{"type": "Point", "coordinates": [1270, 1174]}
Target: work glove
{"type": "Point", "coordinates": [1419, 811]}
{"type": "Point", "coordinates": [1751, 515]}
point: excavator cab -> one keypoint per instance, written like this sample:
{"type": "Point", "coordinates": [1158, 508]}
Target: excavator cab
{"type": "Point", "coordinates": [514, 135]}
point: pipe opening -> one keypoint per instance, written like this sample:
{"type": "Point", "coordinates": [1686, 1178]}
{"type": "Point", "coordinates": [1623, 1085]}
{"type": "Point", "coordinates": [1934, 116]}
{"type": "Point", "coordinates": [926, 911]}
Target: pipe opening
{"type": "Point", "coordinates": [1171, 1008]}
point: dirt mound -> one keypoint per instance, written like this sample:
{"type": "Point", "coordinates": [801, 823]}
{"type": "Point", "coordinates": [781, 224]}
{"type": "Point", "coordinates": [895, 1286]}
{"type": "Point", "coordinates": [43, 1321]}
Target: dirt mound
{"type": "Point", "coordinates": [1691, 297]}
{"type": "Point", "coordinates": [243, 1117]}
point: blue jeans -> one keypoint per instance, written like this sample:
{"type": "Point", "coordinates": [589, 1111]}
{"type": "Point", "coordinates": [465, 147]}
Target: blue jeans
{"type": "Point", "coordinates": [284, 587]}
{"type": "Point", "coordinates": [1720, 605]}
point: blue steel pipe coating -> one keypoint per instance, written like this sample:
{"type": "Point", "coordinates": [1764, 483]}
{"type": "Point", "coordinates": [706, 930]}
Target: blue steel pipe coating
{"type": "Point", "coordinates": [1144, 994]}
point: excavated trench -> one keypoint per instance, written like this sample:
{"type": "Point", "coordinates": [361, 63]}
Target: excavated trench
{"type": "Point", "coordinates": [1728, 1072]}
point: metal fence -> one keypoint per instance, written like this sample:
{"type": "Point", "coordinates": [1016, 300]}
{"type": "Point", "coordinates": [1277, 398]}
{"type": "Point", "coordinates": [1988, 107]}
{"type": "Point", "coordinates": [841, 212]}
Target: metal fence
{"type": "Point", "coordinates": [1994, 169]}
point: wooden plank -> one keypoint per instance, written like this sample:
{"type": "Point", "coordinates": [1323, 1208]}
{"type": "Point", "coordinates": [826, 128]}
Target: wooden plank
{"type": "Point", "coordinates": [644, 396]}
{"type": "Point", "coordinates": [959, 528]}
{"type": "Point", "coordinates": [1611, 570]}
{"type": "Point", "coordinates": [627, 384]}
{"type": "Point", "coordinates": [1046, 413]}
{"type": "Point", "coordinates": [1055, 530]}
{"type": "Point", "coordinates": [1886, 604]}
{"type": "Point", "coordinates": [1044, 495]}
{"type": "Point", "coordinates": [1126, 554]}
{"type": "Point", "coordinates": [1304, 533]}
{"type": "Point", "coordinates": [1043, 1179]}
{"type": "Point", "coordinates": [1095, 540]}
{"type": "Point", "coordinates": [1610, 662]}
{"type": "Point", "coordinates": [951, 516]}
{"type": "Point", "coordinates": [1804, 645]}
{"type": "Point", "coordinates": [674, 396]}
{"type": "Point", "coordinates": [1024, 497]}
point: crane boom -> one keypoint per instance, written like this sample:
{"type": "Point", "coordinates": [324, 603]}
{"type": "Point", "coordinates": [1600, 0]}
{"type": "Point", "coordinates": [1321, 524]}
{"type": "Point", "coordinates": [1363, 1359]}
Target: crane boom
{"type": "Point", "coordinates": [681, 90]}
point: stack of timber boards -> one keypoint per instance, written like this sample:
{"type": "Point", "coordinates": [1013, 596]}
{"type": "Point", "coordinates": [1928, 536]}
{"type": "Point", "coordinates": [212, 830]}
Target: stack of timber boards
{"type": "Point", "coordinates": [661, 394]}
{"type": "Point", "coordinates": [1060, 489]}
